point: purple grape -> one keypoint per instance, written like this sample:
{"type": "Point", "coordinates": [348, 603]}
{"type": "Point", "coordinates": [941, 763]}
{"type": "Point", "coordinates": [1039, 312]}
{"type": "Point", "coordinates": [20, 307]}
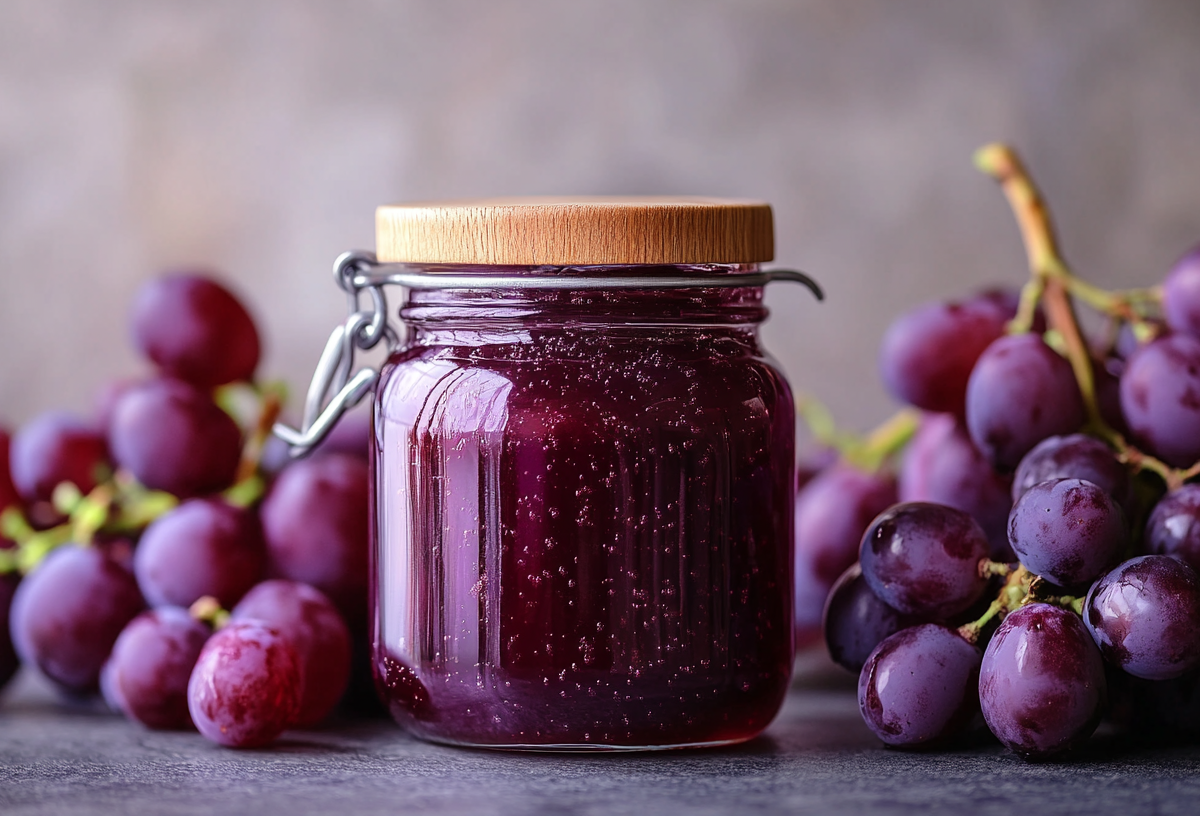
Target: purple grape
{"type": "Point", "coordinates": [246, 687]}
{"type": "Point", "coordinates": [1068, 531]}
{"type": "Point", "coordinates": [856, 621]}
{"type": "Point", "coordinates": [923, 559]}
{"type": "Point", "coordinates": [1174, 526]}
{"type": "Point", "coordinates": [202, 547]}
{"type": "Point", "coordinates": [194, 329]}
{"type": "Point", "coordinates": [943, 466]}
{"type": "Point", "coordinates": [9, 663]}
{"type": "Point", "coordinates": [8, 491]}
{"type": "Point", "coordinates": [55, 447]}
{"type": "Point", "coordinates": [1020, 392]}
{"type": "Point", "coordinates": [1160, 395]}
{"type": "Point", "coordinates": [1041, 684]}
{"type": "Point", "coordinates": [315, 627]}
{"type": "Point", "coordinates": [919, 687]}
{"type": "Point", "coordinates": [1181, 294]}
{"type": "Point", "coordinates": [1145, 617]}
{"type": "Point", "coordinates": [1077, 456]}
{"type": "Point", "coordinates": [146, 676]}
{"type": "Point", "coordinates": [68, 612]}
{"type": "Point", "coordinates": [928, 353]}
{"type": "Point", "coordinates": [173, 437]}
{"type": "Point", "coordinates": [315, 520]}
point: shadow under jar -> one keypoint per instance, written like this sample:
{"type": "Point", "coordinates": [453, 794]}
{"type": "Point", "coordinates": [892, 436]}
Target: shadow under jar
{"type": "Point", "coordinates": [582, 505]}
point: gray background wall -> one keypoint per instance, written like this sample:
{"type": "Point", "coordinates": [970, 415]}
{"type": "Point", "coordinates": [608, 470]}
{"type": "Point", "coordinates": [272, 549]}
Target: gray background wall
{"type": "Point", "coordinates": [257, 137]}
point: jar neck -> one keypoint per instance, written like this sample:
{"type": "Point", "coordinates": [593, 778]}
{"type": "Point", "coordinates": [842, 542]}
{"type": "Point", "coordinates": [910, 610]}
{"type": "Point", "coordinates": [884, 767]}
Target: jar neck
{"type": "Point", "coordinates": [431, 310]}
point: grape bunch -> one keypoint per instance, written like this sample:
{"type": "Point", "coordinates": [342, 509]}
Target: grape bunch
{"type": "Point", "coordinates": [162, 554]}
{"type": "Point", "coordinates": [1036, 569]}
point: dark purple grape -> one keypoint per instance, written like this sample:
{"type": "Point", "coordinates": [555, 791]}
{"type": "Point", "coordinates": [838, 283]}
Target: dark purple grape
{"type": "Point", "coordinates": [928, 353]}
{"type": "Point", "coordinates": [68, 612]}
{"type": "Point", "coordinates": [1020, 392]}
{"type": "Point", "coordinates": [315, 627]}
{"type": "Point", "coordinates": [919, 687]}
{"type": "Point", "coordinates": [1145, 617]}
{"type": "Point", "coordinates": [8, 491]}
{"type": "Point", "coordinates": [1160, 395]}
{"type": "Point", "coordinates": [55, 447]}
{"type": "Point", "coordinates": [202, 547]}
{"type": "Point", "coordinates": [943, 466]}
{"type": "Point", "coordinates": [315, 521]}
{"type": "Point", "coordinates": [1174, 526]}
{"type": "Point", "coordinates": [923, 559]}
{"type": "Point", "coordinates": [856, 621]}
{"type": "Point", "coordinates": [9, 663]}
{"type": "Point", "coordinates": [193, 328]}
{"type": "Point", "coordinates": [146, 676]}
{"type": "Point", "coordinates": [1041, 684]}
{"type": "Point", "coordinates": [1068, 531]}
{"type": "Point", "coordinates": [246, 687]}
{"type": "Point", "coordinates": [1077, 456]}
{"type": "Point", "coordinates": [1181, 294]}
{"type": "Point", "coordinates": [173, 437]}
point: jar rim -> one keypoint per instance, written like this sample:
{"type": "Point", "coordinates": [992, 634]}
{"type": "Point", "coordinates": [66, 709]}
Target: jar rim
{"type": "Point", "coordinates": [580, 231]}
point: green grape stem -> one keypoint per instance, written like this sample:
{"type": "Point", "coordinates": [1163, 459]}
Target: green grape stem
{"type": "Point", "coordinates": [1012, 595]}
{"type": "Point", "coordinates": [868, 453]}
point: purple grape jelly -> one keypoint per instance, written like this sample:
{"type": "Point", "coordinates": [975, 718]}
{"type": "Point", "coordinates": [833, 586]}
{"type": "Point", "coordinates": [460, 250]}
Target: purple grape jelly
{"type": "Point", "coordinates": [583, 515]}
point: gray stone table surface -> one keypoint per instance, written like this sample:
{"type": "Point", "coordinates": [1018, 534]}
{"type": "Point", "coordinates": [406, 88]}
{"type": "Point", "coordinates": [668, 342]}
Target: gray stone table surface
{"type": "Point", "coordinates": [817, 757]}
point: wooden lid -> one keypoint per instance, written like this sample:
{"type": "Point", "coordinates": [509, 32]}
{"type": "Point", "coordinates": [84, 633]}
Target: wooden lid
{"type": "Point", "coordinates": [576, 231]}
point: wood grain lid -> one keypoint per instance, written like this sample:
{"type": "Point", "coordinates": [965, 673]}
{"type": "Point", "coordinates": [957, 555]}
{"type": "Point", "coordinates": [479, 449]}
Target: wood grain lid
{"type": "Point", "coordinates": [576, 231]}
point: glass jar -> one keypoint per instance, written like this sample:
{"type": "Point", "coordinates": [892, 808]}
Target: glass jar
{"type": "Point", "coordinates": [583, 494]}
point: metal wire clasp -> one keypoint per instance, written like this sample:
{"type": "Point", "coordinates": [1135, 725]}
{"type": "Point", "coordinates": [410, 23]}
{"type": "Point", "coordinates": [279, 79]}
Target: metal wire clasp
{"type": "Point", "coordinates": [357, 273]}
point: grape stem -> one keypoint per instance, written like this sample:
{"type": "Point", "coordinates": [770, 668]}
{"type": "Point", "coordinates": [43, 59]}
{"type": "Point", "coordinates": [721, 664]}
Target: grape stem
{"type": "Point", "coordinates": [868, 453]}
{"type": "Point", "coordinates": [1053, 284]}
{"type": "Point", "coordinates": [1012, 594]}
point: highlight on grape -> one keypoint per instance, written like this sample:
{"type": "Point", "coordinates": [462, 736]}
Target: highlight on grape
{"type": "Point", "coordinates": [1038, 571]}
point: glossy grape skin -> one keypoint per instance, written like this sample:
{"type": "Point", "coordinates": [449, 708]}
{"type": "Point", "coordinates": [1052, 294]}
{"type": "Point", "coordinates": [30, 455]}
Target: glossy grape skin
{"type": "Point", "coordinates": [1075, 456]}
{"type": "Point", "coordinates": [315, 521]}
{"type": "Point", "coordinates": [315, 627]}
{"type": "Point", "coordinates": [856, 621]}
{"type": "Point", "coordinates": [1181, 294]}
{"type": "Point", "coordinates": [173, 437]}
{"type": "Point", "coordinates": [1145, 617]}
{"type": "Point", "coordinates": [147, 674]}
{"type": "Point", "coordinates": [923, 559]}
{"type": "Point", "coordinates": [1041, 684]}
{"type": "Point", "coordinates": [1068, 531]}
{"type": "Point", "coordinates": [68, 612]}
{"type": "Point", "coordinates": [919, 687]}
{"type": "Point", "coordinates": [9, 662]}
{"type": "Point", "coordinates": [927, 354]}
{"type": "Point", "coordinates": [1173, 527]}
{"type": "Point", "coordinates": [943, 466]}
{"type": "Point", "coordinates": [1160, 395]}
{"type": "Point", "coordinates": [202, 547]}
{"type": "Point", "coordinates": [246, 687]}
{"type": "Point", "coordinates": [1019, 393]}
{"type": "Point", "coordinates": [194, 329]}
{"type": "Point", "coordinates": [52, 448]}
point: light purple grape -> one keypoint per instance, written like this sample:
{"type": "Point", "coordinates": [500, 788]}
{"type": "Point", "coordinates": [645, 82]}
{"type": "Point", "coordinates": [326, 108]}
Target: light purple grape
{"type": "Point", "coordinates": [246, 687]}
{"type": "Point", "coordinates": [919, 687]}
{"type": "Point", "coordinates": [1068, 531]}
{"type": "Point", "coordinates": [927, 354]}
{"type": "Point", "coordinates": [1041, 684]}
{"type": "Point", "coordinates": [943, 466]}
{"type": "Point", "coordinates": [147, 674]}
{"type": "Point", "coordinates": [1181, 294]}
{"type": "Point", "coordinates": [1174, 526]}
{"type": "Point", "coordinates": [923, 559]}
{"type": "Point", "coordinates": [1160, 395]}
{"type": "Point", "coordinates": [202, 547]}
{"type": "Point", "coordinates": [315, 627]}
{"type": "Point", "coordinates": [1145, 617]}
{"type": "Point", "coordinates": [856, 621]}
{"type": "Point", "coordinates": [1076, 456]}
{"type": "Point", "coordinates": [68, 612]}
{"type": "Point", "coordinates": [1020, 392]}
